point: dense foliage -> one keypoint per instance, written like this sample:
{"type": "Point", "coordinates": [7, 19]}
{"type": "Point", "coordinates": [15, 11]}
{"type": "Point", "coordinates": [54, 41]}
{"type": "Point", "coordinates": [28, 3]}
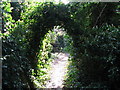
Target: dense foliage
{"type": "Point", "coordinates": [96, 49]}
{"type": "Point", "coordinates": [93, 28]}
{"type": "Point", "coordinates": [16, 66]}
{"type": "Point", "coordinates": [98, 60]}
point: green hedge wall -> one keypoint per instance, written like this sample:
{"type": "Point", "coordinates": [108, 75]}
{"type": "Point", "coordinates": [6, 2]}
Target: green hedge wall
{"type": "Point", "coordinates": [95, 50]}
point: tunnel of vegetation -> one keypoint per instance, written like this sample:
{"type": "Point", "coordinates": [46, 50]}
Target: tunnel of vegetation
{"type": "Point", "coordinates": [96, 43]}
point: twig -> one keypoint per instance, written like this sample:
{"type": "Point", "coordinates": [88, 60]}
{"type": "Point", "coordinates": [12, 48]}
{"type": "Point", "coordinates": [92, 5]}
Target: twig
{"type": "Point", "coordinates": [100, 14]}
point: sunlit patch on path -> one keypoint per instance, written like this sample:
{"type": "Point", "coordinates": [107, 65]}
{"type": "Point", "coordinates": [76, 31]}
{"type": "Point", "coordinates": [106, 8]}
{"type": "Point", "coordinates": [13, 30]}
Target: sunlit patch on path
{"type": "Point", "coordinates": [58, 71]}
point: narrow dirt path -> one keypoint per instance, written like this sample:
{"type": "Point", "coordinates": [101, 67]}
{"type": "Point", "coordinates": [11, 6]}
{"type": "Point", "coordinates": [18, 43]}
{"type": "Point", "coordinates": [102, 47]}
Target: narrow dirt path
{"type": "Point", "coordinates": [58, 71]}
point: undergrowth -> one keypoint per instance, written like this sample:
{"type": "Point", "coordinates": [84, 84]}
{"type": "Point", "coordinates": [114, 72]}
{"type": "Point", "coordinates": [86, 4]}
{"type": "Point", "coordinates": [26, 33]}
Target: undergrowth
{"type": "Point", "coordinates": [72, 76]}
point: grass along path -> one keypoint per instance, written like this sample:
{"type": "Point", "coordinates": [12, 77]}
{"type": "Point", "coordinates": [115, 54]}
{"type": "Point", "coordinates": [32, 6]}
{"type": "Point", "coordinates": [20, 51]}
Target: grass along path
{"type": "Point", "coordinates": [58, 71]}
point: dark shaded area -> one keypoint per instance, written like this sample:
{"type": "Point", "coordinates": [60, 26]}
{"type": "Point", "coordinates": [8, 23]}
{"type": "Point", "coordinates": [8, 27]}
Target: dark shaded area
{"type": "Point", "coordinates": [16, 67]}
{"type": "Point", "coordinates": [16, 11]}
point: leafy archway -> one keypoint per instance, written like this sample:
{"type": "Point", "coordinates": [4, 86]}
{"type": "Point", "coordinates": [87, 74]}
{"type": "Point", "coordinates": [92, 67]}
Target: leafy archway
{"type": "Point", "coordinates": [76, 19]}
{"type": "Point", "coordinates": [43, 19]}
{"type": "Point", "coordinates": [96, 50]}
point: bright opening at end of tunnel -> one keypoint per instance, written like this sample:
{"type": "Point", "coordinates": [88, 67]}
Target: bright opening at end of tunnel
{"type": "Point", "coordinates": [58, 67]}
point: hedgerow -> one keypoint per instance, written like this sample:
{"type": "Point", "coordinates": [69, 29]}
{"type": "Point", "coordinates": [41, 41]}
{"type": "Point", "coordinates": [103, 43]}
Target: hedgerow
{"type": "Point", "coordinates": [95, 47]}
{"type": "Point", "coordinates": [98, 61]}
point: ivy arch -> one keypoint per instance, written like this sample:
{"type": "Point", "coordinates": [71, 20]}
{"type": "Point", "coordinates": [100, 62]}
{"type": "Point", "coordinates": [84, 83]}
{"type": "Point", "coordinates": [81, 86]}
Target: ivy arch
{"type": "Point", "coordinates": [43, 19]}
{"type": "Point", "coordinates": [88, 42]}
